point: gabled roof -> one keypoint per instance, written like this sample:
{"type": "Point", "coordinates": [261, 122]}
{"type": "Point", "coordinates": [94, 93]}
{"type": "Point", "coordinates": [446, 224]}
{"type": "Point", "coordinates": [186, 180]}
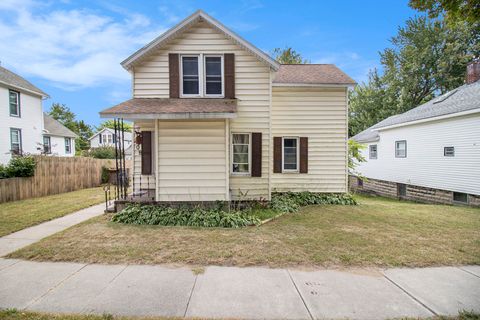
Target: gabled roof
{"type": "Point", "coordinates": [462, 99]}
{"type": "Point", "coordinates": [12, 79]}
{"type": "Point", "coordinates": [54, 128]}
{"type": "Point", "coordinates": [126, 134]}
{"type": "Point", "coordinates": [311, 74]}
{"type": "Point", "coordinates": [197, 16]}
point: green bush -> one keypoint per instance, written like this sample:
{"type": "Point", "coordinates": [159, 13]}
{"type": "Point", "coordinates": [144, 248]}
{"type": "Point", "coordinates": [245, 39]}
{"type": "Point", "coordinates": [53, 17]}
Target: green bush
{"type": "Point", "coordinates": [23, 166]}
{"type": "Point", "coordinates": [183, 216]}
{"type": "Point", "coordinates": [292, 201]}
{"type": "Point", "coordinates": [105, 152]}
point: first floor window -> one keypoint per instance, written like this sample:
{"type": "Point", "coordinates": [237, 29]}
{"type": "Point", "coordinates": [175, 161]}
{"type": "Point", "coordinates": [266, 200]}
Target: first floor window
{"type": "Point", "coordinates": [16, 141]}
{"type": "Point", "coordinates": [68, 145]}
{"type": "Point", "coordinates": [190, 76]}
{"type": "Point", "coordinates": [290, 154]}
{"type": "Point", "coordinates": [449, 151]}
{"type": "Point", "coordinates": [47, 146]}
{"type": "Point", "coordinates": [213, 76]}
{"type": "Point", "coordinates": [241, 153]}
{"type": "Point", "coordinates": [401, 149]}
{"type": "Point", "coordinates": [14, 100]}
{"type": "Point", "coordinates": [373, 151]}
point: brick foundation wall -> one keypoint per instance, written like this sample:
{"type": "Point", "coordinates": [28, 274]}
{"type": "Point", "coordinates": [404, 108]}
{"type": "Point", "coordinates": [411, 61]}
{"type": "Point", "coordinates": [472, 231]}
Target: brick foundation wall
{"type": "Point", "coordinates": [413, 193]}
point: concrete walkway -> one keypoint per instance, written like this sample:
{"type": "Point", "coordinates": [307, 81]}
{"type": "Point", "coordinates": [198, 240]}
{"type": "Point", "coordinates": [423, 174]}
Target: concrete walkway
{"type": "Point", "coordinates": [228, 292]}
{"type": "Point", "coordinates": [25, 237]}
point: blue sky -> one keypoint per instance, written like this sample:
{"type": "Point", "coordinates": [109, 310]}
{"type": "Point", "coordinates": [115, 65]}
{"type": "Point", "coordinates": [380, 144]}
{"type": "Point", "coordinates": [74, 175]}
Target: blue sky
{"type": "Point", "coordinates": [72, 49]}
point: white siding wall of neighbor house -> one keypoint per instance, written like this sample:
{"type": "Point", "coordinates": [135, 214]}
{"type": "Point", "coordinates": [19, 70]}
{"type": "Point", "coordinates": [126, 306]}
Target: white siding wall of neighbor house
{"type": "Point", "coordinates": [252, 88]}
{"type": "Point", "coordinates": [191, 161]}
{"type": "Point", "coordinates": [30, 122]}
{"type": "Point", "coordinates": [320, 115]}
{"type": "Point", "coordinates": [425, 164]}
{"type": "Point", "coordinates": [58, 146]}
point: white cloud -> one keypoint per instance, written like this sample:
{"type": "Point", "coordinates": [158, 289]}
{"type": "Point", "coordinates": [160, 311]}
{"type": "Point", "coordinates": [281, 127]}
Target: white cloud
{"type": "Point", "coordinates": [71, 48]}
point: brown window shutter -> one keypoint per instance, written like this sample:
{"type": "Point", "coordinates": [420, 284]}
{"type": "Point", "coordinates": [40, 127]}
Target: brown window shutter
{"type": "Point", "coordinates": [277, 155]}
{"type": "Point", "coordinates": [229, 73]}
{"type": "Point", "coordinates": [256, 154]}
{"type": "Point", "coordinates": [146, 152]}
{"type": "Point", "coordinates": [174, 73]}
{"type": "Point", "coordinates": [303, 155]}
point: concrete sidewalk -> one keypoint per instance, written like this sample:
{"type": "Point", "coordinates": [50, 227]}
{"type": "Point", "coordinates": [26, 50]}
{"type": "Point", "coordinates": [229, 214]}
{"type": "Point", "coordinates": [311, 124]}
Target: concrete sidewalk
{"type": "Point", "coordinates": [25, 237]}
{"type": "Point", "coordinates": [228, 292]}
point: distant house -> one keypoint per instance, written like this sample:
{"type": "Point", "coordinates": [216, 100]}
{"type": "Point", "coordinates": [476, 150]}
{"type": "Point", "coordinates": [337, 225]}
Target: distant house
{"type": "Point", "coordinates": [106, 138]}
{"type": "Point", "coordinates": [429, 153]}
{"type": "Point", "coordinates": [58, 140]}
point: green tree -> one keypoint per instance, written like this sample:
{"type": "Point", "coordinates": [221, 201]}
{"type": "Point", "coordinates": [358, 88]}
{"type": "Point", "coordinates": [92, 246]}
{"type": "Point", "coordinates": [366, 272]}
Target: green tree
{"type": "Point", "coordinates": [288, 56]}
{"type": "Point", "coordinates": [127, 126]}
{"type": "Point", "coordinates": [427, 58]}
{"type": "Point", "coordinates": [453, 10]}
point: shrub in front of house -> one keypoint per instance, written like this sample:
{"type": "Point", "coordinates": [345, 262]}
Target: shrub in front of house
{"type": "Point", "coordinates": [18, 166]}
{"type": "Point", "coordinates": [184, 216]}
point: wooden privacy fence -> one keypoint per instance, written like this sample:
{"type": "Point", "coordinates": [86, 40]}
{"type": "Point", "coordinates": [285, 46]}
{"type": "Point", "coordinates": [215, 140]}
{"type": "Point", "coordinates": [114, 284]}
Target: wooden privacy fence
{"type": "Point", "coordinates": [55, 175]}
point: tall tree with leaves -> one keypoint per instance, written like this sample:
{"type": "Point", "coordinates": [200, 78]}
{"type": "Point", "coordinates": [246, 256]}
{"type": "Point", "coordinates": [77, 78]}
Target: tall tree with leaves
{"type": "Point", "coordinates": [427, 58]}
{"type": "Point", "coordinates": [288, 56]}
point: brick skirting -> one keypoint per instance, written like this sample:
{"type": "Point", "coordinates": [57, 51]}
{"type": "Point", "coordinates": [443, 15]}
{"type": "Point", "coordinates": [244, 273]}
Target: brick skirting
{"type": "Point", "coordinates": [413, 193]}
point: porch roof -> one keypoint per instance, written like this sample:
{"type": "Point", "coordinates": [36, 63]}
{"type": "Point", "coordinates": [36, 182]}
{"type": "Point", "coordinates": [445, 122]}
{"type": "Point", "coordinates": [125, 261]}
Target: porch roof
{"type": "Point", "coordinates": [169, 108]}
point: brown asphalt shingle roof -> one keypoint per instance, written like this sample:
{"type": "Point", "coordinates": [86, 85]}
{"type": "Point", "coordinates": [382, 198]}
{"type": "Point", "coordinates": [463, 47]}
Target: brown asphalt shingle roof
{"type": "Point", "coordinates": [166, 105]}
{"type": "Point", "coordinates": [312, 74]}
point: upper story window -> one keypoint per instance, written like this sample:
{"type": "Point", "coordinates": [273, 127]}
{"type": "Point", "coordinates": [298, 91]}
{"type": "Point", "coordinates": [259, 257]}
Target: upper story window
{"type": "Point", "coordinates": [14, 99]}
{"type": "Point", "coordinates": [16, 141]}
{"type": "Point", "coordinates": [47, 145]}
{"type": "Point", "coordinates": [373, 151]}
{"type": "Point", "coordinates": [68, 145]}
{"type": "Point", "coordinates": [401, 149]}
{"type": "Point", "coordinates": [201, 75]}
{"type": "Point", "coordinates": [290, 154]}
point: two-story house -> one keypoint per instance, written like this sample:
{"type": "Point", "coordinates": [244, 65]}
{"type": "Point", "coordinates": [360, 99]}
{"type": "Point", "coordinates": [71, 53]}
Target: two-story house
{"type": "Point", "coordinates": [215, 118]}
{"type": "Point", "coordinates": [24, 129]}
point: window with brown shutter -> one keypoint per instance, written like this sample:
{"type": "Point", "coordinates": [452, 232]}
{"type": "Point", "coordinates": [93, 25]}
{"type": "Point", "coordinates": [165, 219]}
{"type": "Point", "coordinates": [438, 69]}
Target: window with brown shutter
{"type": "Point", "coordinates": [277, 155]}
{"type": "Point", "coordinates": [174, 75]}
{"type": "Point", "coordinates": [303, 155]}
{"type": "Point", "coordinates": [146, 152]}
{"type": "Point", "coordinates": [256, 154]}
{"type": "Point", "coordinates": [229, 74]}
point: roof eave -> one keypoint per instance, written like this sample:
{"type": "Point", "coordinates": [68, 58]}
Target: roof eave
{"type": "Point", "coordinates": [128, 63]}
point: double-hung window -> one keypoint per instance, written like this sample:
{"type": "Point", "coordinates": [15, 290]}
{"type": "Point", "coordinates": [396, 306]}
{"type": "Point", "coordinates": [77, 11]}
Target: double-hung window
{"type": "Point", "coordinates": [201, 76]}
{"type": "Point", "coordinates": [373, 151]}
{"type": "Point", "coordinates": [401, 149]}
{"type": "Point", "coordinates": [68, 145]}
{"type": "Point", "coordinates": [14, 101]}
{"type": "Point", "coordinates": [290, 154]}
{"type": "Point", "coordinates": [241, 153]}
{"type": "Point", "coordinates": [16, 141]}
{"type": "Point", "coordinates": [47, 145]}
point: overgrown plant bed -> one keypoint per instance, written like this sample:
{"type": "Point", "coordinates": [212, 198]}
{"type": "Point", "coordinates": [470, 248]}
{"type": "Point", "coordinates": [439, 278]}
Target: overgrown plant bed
{"type": "Point", "coordinates": [253, 214]}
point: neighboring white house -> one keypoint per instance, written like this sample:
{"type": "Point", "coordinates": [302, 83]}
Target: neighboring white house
{"type": "Point", "coordinates": [216, 118]}
{"type": "Point", "coordinates": [431, 152]}
{"type": "Point", "coordinates": [58, 140]}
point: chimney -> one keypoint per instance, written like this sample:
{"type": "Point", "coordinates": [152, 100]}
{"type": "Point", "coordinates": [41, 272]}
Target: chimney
{"type": "Point", "coordinates": [473, 71]}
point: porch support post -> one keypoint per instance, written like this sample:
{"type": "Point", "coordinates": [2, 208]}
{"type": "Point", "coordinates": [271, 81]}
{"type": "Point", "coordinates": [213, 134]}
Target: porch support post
{"type": "Point", "coordinates": [227, 159]}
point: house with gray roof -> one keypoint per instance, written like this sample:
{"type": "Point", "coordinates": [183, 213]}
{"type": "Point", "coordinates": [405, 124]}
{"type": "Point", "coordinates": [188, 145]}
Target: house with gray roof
{"type": "Point", "coordinates": [24, 128]}
{"type": "Point", "coordinates": [429, 153]}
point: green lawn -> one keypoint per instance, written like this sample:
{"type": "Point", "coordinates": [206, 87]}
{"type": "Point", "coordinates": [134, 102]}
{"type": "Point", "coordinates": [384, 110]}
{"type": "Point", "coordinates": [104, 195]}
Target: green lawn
{"type": "Point", "coordinates": [18, 215]}
{"type": "Point", "coordinates": [378, 232]}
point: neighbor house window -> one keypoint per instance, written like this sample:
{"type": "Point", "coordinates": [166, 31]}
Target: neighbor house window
{"type": "Point", "coordinates": [290, 154]}
{"type": "Point", "coordinates": [14, 99]}
{"type": "Point", "coordinates": [241, 153]}
{"type": "Point", "coordinates": [401, 149]}
{"type": "Point", "coordinates": [47, 145]}
{"type": "Point", "coordinates": [16, 141]}
{"type": "Point", "coordinates": [213, 76]}
{"type": "Point", "coordinates": [68, 145]}
{"type": "Point", "coordinates": [460, 197]}
{"type": "Point", "coordinates": [449, 151]}
{"type": "Point", "coordinates": [190, 76]}
{"type": "Point", "coordinates": [373, 151]}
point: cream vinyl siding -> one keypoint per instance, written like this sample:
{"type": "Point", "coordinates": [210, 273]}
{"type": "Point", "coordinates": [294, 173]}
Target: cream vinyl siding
{"type": "Point", "coordinates": [143, 181]}
{"type": "Point", "coordinates": [321, 115]}
{"type": "Point", "coordinates": [191, 161]}
{"type": "Point", "coordinates": [425, 164]}
{"type": "Point", "coordinates": [252, 89]}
